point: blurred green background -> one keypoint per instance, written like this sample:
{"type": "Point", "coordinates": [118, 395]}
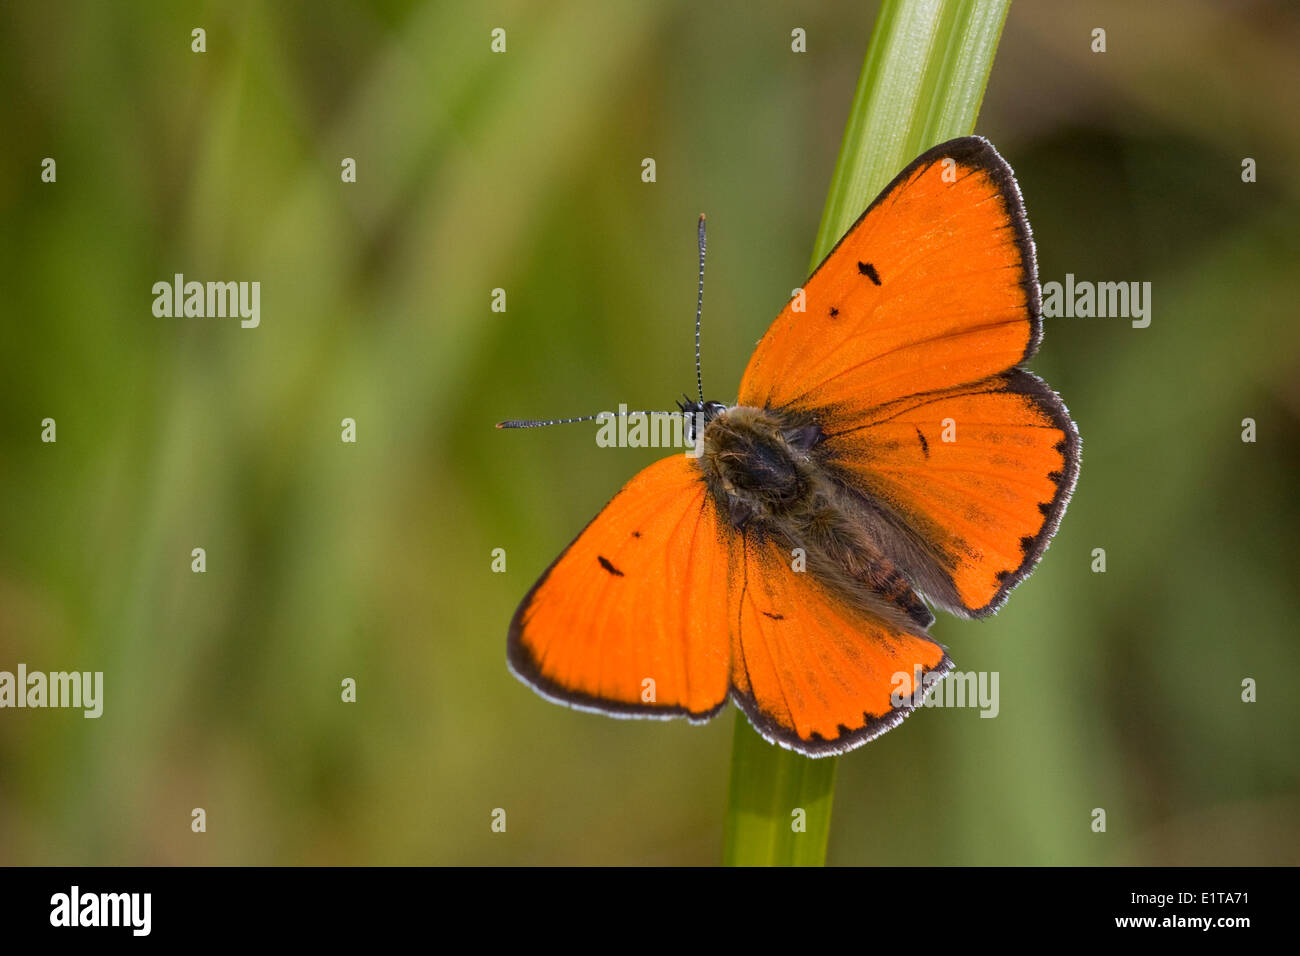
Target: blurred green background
{"type": "Point", "coordinates": [522, 171]}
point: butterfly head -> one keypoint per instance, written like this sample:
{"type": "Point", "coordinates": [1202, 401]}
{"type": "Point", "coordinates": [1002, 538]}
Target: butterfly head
{"type": "Point", "coordinates": [698, 415]}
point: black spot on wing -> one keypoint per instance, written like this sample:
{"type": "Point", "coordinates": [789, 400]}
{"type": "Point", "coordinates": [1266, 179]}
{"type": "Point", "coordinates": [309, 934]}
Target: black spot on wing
{"type": "Point", "coordinates": [925, 445]}
{"type": "Point", "coordinates": [834, 312]}
{"type": "Point", "coordinates": [636, 534]}
{"type": "Point", "coordinates": [775, 617]}
{"type": "Point", "coordinates": [868, 270]}
{"type": "Point", "coordinates": [605, 563]}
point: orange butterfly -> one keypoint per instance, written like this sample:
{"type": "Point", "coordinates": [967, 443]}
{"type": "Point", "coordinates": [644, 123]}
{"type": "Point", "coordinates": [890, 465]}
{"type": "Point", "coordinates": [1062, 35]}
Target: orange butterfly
{"type": "Point", "coordinates": [886, 453]}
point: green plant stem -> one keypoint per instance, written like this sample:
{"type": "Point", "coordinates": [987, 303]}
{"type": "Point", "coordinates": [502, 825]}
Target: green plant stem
{"type": "Point", "coordinates": [768, 786]}
{"type": "Point", "coordinates": [922, 83]}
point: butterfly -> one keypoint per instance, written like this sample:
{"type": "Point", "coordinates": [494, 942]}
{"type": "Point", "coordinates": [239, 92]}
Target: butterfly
{"type": "Point", "coordinates": [886, 454]}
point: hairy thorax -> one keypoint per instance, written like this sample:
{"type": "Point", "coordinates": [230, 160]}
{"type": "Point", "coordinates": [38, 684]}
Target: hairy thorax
{"type": "Point", "coordinates": [767, 473]}
{"type": "Point", "coordinates": [759, 465]}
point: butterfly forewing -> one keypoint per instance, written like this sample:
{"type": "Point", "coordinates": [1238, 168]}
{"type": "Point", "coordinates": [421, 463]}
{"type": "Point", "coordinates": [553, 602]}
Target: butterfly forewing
{"type": "Point", "coordinates": [934, 286]}
{"type": "Point", "coordinates": [632, 618]}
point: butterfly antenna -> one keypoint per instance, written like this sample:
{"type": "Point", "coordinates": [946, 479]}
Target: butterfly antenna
{"type": "Point", "coordinates": [699, 375]}
{"type": "Point", "coordinates": [538, 423]}
{"type": "Point", "coordinates": [699, 311]}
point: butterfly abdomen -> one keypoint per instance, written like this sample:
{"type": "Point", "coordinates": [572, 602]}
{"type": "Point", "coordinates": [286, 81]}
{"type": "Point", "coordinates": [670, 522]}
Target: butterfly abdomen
{"type": "Point", "coordinates": [842, 555]}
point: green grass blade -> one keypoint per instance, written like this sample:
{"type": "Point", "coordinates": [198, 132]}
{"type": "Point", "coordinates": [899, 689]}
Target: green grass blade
{"type": "Point", "coordinates": [922, 83]}
{"type": "Point", "coordinates": [768, 786]}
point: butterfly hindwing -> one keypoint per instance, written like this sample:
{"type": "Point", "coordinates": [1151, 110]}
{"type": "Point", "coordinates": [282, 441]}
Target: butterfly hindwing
{"type": "Point", "coordinates": [639, 596]}
{"type": "Point", "coordinates": [976, 479]}
{"type": "Point", "coordinates": [811, 672]}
